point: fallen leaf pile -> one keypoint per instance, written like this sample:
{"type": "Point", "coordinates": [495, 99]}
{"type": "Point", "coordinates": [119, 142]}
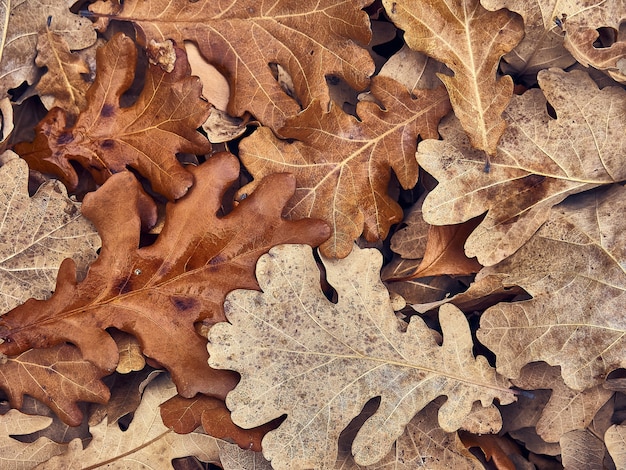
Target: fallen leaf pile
{"type": "Point", "coordinates": [356, 234]}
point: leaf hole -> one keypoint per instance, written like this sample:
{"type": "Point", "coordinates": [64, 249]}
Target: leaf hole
{"type": "Point", "coordinates": [606, 38]}
{"type": "Point", "coordinates": [551, 111]}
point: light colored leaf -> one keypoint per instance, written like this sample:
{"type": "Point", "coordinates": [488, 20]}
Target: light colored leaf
{"type": "Point", "coordinates": [581, 450]}
{"type": "Point", "coordinates": [534, 167]}
{"type": "Point", "coordinates": [37, 234]}
{"type": "Point", "coordinates": [615, 440]}
{"type": "Point", "coordinates": [319, 362]}
{"type": "Point", "coordinates": [470, 41]}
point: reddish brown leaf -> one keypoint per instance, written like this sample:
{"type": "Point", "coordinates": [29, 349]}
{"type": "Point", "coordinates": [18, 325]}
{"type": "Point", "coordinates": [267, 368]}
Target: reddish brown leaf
{"type": "Point", "coordinates": [58, 377]}
{"type": "Point", "coordinates": [494, 447]}
{"type": "Point", "coordinates": [106, 138]}
{"type": "Point", "coordinates": [183, 415]}
{"type": "Point", "coordinates": [158, 293]}
{"type": "Point", "coordinates": [342, 165]}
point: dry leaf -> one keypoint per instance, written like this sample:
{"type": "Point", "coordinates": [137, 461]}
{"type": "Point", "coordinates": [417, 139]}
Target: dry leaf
{"type": "Point", "coordinates": [66, 81]}
{"type": "Point", "coordinates": [160, 291]}
{"type": "Point", "coordinates": [542, 46]}
{"type": "Point", "coordinates": [214, 85]}
{"type": "Point", "coordinates": [494, 448]}
{"type": "Point", "coordinates": [310, 40]}
{"type": "Point", "coordinates": [131, 359]}
{"type": "Point", "coordinates": [533, 169]}
{"type": "Point", "coordinates": [415, 70]}
{"type": "Point", "coordinates": [319, 362]}
{"type": "Point", "coordinates": [573, 268]}
{"type": "Point", "coordinates": [342, 165]}
{"type": "Point", "coordinates": [534, 443]}
{"type": "Point", "coordinates": [37, 234]}
{"type": "Point", "coordinates": [615, 440]}
{"type": "Point", "coordinates": [470, 41]}
{"type": "Point", "coordinates": [147, 443]}
{"type": "Point", "coordinates": [21, 23]}
{"type": "Point", "coordinates": [106, 138]}
{"type": "Point", "coordinates": [581, 450]}
{"type": "Point", "coordinates": [567, 410]}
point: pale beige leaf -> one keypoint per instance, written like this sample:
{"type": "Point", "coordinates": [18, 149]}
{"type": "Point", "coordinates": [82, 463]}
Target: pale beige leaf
{"type": "Point", "coordinates": [470, 41]}
{"type": "Point", "coordinates": [573, 267]}
{"type": "Point", "coordinates": [540, 160]}
{"type": "Point", "coordinates": [320, 362]}
{"type": "Point", "coordinates": [215, 87]}
{"type": "Point", "coordinates": [615, 441]}
{"type": "Point", "coordinates": [16, 455]}
{"type": "Point", "coordinates": [567, 410]}
{"type": "Point", "coordinates": [37, 234]}
{"type": "Point", "coordinates": [542, 46]}
{"type": "Point", "coordinates": [483, 420]}
{"type": "Point", "coordinates": [581, 450]}
{"type": "Point", "coordinates": [21, 22]}
{"type": "Point", "coordinates": [414, 69]}
{"type": "Point", "coordinates": [147, 443]}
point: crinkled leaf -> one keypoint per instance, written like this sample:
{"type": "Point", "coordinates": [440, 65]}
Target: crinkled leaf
{"type": "Point", "coordinates": [582, 450]}
{"type": "Point", "coordinates": [534, 168]}
{"type": "Point", "coordinates": [309, 40]}
{"type": "Point", "coordinates": [615, 440]}
{"type": "Point", "coordinates": [342, 165]}
{"type": "Point", "coordinates": [21, 22]}
{"type": "Point", "coordinates": [36, 234]}
{"type": "Point", "coordinates": [319, 362]}
{"type": "Point", "coordinates": [146, 136]}
{"type": "Point", "coordinates": [158, 292]}
{"type": "Point", "coordinates": [574, 269]}
{"type": "Point", "coordinates": [470, 41]}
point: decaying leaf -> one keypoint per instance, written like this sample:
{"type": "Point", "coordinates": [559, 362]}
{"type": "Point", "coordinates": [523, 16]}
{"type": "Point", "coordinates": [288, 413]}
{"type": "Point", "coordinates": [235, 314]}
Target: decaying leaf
{"type": "Point", "coordinates": [20, 26]}
{"type": "Point", "coordinates": [582, 450]}
{"type": "Point", "coordinates": [534, 168]}
{"type": "Point", "coordinates": [342, 165]}
{"type": "Point", "coordinates": [615, 440]}
{"type": "Point", "coordinates": [158, 292]}
{"type": "Point", "coordinates": [414, 69]}
{"type": "Point", "coordinates": [106, 138]}
{"type": "Point", "coordinates": [147, 443]}
{"type": "Point", "coordinates": [319, 362]}
{"type": "Point", "coordinates": [37, 234]}
{"type": "Point", "coordinates": [309, 40]}
{"type": "Point", "coordinates": [574, 269]}
{"type": "Point", "coordinates": [66, 80]}
{"type": "Point", "coordinates": [470, 41]}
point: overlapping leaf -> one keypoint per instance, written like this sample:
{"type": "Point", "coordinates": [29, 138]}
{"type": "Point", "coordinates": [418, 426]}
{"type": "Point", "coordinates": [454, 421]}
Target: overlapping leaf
{"type": "Point", "coordinates": [36, 234]}
{"type": "Point", "coordinates": [540, 161]}
{"type": "Point", "coordinates": [319, 362]}
{"type": "Point", "coordinates": [342, 165]}
{"type": "Point", "coordinates": [309, 40]}
{"type": "Point", "coordinates": [106, 137]}
{"type": "Point", "coordinates": [470, 41]}
{"type": "Point", "coordinates": [159, 292]}
{"type": "Point", "coordinates": [574, 269]}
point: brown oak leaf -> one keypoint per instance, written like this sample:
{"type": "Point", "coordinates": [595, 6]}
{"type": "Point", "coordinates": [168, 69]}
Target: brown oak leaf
{"type": "Point", "coordinates": [106, 137]}
{"type": "Point", "coordinates": [158, 292]}
{"type": "Point", "coordinates": [319, 362]}
{"type": "Point", "coordinates": [470, 41]}
{"type": "Point", "coordinates": [615, 440]}
{"type": "Point", "coordinates": [309, 40]}
{"type": "Point", "coordinates": [342, 165]}
{"type": "Point", "coordinates": [58, 377]}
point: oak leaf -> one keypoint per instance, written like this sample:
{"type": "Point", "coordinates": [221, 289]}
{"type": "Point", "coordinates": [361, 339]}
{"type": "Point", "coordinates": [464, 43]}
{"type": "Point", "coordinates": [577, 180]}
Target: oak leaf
{"type": "Point", "coordinates": [342, 165]}
{"type": "Point", "coordinates": [146, 136]}
{"type": "Point", "coordinates": [319, 362]}
{"type": "Point", "coordinates": [158, 292]}
{"type": "Point", "coordinates": [470, 41]}
{"type": "Point", "coordinates": [242, 39]}
{"type": "Point", "coordinates": [582, 450]}
{"type": "Point", "coordinates": [533, 168]}
{"type": "Point", "coordinates": [615, 440]}
{"type": "Point", "coordinates": [21, 23]}
{"type": "Point", "coordinates": [66, 80]}
{"type": "Point", "coordinates": [573, 269]}
{"type": "Point", "coordinates": [37, 234]}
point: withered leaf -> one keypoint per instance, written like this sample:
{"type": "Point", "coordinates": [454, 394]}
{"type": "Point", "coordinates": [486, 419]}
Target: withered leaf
{"type": "Point", "coordinates": [573, 268]}
{"type": "Point", "coordinates": [470, 41]}
{"type": "Point", "coordinates": [21, 23]}
{"type": "Point", "coordinates": [615, 440]}
{"type": "Point", "coordinates": [58, 377]}
{"type": "Point", "coordinates": [310, 40]}
{"type": "Point", "coordinates": [533, 169]}
{"type": "Point", "coordinates": [158, 292]}
{"type": "Point", "coordinates": [106, 138]}
{"type": "Point", "coordinates": [37, 234]}
{"type": "Point", "coordinates": [319, 362]}
{"type": "Point", "coordinates": [582, 450]}
{"type": "Point", "coordinates": [342, 165]}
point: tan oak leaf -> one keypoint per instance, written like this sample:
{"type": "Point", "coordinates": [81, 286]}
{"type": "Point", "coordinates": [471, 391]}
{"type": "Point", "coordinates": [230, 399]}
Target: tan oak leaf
{"type": "Point", "coordinates": [615, 441]}
{"type": "Point", "coordinates": [319, 362]}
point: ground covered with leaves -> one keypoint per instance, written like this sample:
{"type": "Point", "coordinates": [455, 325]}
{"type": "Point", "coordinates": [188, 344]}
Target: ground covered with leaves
{"type": "Point", "coordinates": [328, 235]}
